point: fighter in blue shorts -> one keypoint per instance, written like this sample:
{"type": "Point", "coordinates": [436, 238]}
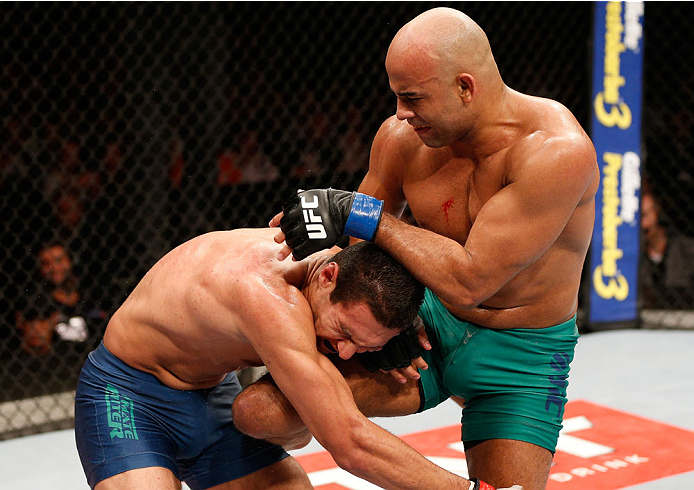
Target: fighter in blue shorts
{"type": "Point", "coordinates": [128, 419]}
{"type": "Point", "coordinates": [501, 190]}
{"type": "Point", "coordinates": [154, 401]}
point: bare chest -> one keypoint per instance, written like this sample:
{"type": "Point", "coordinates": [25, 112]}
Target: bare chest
{"type": "Point", "coordinates": [446, 199]}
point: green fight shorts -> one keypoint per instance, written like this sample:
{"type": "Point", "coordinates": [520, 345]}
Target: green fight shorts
{"type": "Point", "coordinates": [513, 381]}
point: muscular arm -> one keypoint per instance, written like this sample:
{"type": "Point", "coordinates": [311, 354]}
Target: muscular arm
{"type": "Point", "coordinates": [512, 230]}
{"type": "Point", "coordinates": [282, 336]}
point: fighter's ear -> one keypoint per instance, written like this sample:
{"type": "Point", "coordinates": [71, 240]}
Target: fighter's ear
{"type": "Point", "coordinates": [467, 86]}
{"type": "Point", "coordinates": [329, 274]}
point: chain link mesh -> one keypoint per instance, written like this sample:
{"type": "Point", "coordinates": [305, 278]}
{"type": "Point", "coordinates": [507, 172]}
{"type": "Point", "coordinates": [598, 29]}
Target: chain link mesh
{"type": "Point", "coordinates": [128, 128]}
{"type": "Point", "coordinates": [667, 276]}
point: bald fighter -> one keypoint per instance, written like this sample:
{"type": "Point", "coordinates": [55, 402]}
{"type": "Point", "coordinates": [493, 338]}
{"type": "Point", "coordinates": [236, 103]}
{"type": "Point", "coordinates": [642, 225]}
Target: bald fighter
{"type": "Point", "coordinates": [153, 403]}
{"type": "Point", "coordinates": [502, 187]}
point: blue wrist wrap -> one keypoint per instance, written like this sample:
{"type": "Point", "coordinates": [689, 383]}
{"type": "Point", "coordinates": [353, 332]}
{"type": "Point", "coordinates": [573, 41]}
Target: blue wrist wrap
{"type": "Point", "coordinates": [364, 217]}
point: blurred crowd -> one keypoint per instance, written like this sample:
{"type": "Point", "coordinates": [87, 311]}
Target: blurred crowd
{"type": "Point", "coordinates": [126, 129]}
{"type": "Point", "coordinates": [76, 197]}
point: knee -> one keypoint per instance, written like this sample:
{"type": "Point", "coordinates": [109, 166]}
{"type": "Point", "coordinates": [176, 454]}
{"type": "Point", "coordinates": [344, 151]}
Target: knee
{"type": "Point", "coordinates": [249, 412]}
{"type": "Point", "coordinates": [262, 411]}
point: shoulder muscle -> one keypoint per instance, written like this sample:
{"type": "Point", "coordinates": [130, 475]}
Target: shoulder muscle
{"type": "Point", "coordinates": [392, 149]}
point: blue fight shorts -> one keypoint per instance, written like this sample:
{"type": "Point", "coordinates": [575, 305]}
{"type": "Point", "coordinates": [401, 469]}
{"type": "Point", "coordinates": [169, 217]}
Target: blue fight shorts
{"type": "Point", "coordinates": [127, 419]}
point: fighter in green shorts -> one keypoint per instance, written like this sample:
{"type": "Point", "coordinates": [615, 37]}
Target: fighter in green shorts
{"type": "Point", "coordinates": [500, 190]}
{"type": "Point", "coordinates": [513, 381]}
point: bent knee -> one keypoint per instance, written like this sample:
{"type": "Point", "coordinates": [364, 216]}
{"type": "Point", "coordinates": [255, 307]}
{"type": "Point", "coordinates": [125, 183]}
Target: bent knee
{"type": "Point", "coordinates": [246, 412]}
{"type": "Point", "coordinates": [260, 410]}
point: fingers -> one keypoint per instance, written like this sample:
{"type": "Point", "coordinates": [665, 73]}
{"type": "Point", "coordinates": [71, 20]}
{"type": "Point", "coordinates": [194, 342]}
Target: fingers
{"type": "Point", "coordinates": [275, 221]}
{"type": "Point", "coordinates": [420, 363]}
{"type": "Point", "coordinates": [395, 373]}
{"type": "Point", "coordinates": [402, 375]}
{"type": "Point", "coordinates": [284, 253]}
{"type": "Point", "coordinates": [423, 340]}
{"type": "Point", "coordinates": [280, 237]}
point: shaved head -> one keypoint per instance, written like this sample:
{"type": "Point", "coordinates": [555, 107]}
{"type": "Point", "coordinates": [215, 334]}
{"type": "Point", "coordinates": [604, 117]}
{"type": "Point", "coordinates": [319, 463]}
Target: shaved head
{"type": "Point", "coordinates": [442, 42]}
{"type": "Point", "coordinates": [441, 68]}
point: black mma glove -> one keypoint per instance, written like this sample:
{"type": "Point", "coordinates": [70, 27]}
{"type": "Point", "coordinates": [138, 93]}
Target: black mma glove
{"type": "Point", "coordinates": [316, 219]}
{"type": "Point", "coordinates": [397, 353]}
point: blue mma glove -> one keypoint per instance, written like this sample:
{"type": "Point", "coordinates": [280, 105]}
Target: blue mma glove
{"type": "Point", "coordinates": [316, 219]}
{"type": "Point", "coordinates": [397, 353]}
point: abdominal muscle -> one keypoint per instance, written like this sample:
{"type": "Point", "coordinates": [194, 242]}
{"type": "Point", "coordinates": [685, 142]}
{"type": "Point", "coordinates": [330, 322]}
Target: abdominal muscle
{"type": "Point", "coordinates": [518, 305]}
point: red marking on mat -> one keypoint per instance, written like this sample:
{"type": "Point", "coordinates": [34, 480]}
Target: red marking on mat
{"type": "Point", "coordinates": [600, 448]}
{"type": "Point", "coordinates": [446, 207]}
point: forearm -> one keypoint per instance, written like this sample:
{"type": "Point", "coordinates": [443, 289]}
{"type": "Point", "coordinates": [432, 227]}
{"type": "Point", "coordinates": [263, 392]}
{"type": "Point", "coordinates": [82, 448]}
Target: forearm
{"type": "Point", "coordinates": [381, 458]}
{"type": "Point", "coordinates": [440, 263]}
{"type": "Point", "coordinates": [358, 446]}
{"type": "Point", "coordinates": [264, 412]}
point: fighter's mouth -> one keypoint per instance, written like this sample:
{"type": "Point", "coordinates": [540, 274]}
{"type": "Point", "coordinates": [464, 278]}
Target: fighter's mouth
{"type": "Point", "coordinates": [420, 129]}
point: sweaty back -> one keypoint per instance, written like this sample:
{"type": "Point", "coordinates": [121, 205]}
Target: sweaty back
{"type": "Point", "coordinates": [186, 332]}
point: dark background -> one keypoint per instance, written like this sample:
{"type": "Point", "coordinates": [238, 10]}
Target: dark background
{"type": "Point", "coordinates": [124, 128]}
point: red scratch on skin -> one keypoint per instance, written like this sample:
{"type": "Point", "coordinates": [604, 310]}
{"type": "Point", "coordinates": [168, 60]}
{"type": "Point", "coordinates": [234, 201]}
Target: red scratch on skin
{"type": "Point", "coordinates": [446, 206]}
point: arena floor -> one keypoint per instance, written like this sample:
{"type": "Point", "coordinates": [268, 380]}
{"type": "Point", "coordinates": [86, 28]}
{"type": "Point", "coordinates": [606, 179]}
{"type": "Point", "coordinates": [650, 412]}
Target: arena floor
{"type": "Point", "coordinates": [629, 425]}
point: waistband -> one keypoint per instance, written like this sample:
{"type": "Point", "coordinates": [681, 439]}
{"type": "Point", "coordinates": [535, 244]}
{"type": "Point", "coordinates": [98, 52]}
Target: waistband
{"type": "Point", "coordinates": [567, 327]}
{"type": "Point", "coordinates": [104, 360]}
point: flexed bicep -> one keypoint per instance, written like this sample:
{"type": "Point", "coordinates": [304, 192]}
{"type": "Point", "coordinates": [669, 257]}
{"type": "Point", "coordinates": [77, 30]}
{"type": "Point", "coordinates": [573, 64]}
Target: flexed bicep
{"type": "Point", "coordinates": [517, 225]}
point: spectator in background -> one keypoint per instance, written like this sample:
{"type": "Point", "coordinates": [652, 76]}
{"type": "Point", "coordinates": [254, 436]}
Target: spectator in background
{"type": "Point", "coordinates": [228, 171]}
{"type": "Point", "coordinates": [36, 324]}
{"type": "Point", "coordinates": [73, 185]}
{"type": "Point", "coordinates": [249, 165]}
{"type": "Point", "coordinates": [104, 226]}
{"type": "Point", "coordinates": [113, 157]}
{"type": "Point", "coordinates": [55, 304]}
{"type": "Point", "coordinates": [244, 172]}
{"type": "Point", "coordinates": [69, 209]}
{"type": "Point", "coordinates": [69, 173]}
{"type": "Point", "coordinates": [256, 166]}
{"type": "Point", "coordinates": [668, 266]}
{"type": "Point", "coordinates": [318, 153]}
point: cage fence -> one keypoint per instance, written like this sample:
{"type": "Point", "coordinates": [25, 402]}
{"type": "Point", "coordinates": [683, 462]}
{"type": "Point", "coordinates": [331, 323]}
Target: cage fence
{"type": "Point", "coordinates": [128, 128]}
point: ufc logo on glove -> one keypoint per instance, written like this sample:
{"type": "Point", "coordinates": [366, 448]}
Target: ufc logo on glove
{"type": "Point", "coordinates": [314, 227]}
{"type": "Point", "coordinates": [314, 220]}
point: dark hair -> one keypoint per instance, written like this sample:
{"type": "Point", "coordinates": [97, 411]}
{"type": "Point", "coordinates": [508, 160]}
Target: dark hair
{"type": "Point", "coordinates": [368, 274]}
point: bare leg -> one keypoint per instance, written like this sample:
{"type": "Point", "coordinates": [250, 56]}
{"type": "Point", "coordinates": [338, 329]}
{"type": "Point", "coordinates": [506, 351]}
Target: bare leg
{"type": "Point", "coordinates": [379, 394]}
{"type": "Point", "coordinates": [263, 412]}
{"type": "Point", "coordinates": [505, 462]}
{"type": "Point", "coordinates": [283, 475]}
{"type": "Point", "coordinates": [153, 478]}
